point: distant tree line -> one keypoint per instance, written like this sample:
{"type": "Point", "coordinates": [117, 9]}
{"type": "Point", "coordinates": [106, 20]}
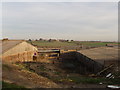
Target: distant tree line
{"type": "Point", "coordinates": [50, 40]}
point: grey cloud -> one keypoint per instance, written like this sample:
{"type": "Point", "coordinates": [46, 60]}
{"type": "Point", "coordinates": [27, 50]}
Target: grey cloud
{"type": "Point", "coordinates": [61, 20]}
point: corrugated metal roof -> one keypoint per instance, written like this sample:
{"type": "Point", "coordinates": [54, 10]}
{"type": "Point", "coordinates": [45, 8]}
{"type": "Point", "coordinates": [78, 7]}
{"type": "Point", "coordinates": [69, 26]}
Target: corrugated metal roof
{"type": "Point", "coordinates": [7, 44]}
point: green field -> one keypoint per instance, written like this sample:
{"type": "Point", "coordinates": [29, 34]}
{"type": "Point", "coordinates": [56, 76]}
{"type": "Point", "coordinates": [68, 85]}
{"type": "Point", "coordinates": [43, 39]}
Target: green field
{"type": "Point", "coordinates": [95, 44]}
{"type": "Point", "coordinates": [53, 43]}
{"type": "Point", "coordinates": [10, 86]}
{"type": "Point", "coordinates": [73, 43]}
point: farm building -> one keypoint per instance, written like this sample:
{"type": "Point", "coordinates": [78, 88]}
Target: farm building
{"type": "Point", "coordinates": [17, 50]}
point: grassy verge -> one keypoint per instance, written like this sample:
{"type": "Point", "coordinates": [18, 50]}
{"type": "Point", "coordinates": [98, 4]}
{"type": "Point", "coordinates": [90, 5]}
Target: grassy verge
{"type": "Point", "coordinates": [94, 44]}
{"type": "Point", "coordinates": [91, 80]}
{"type": "Point", "coordinates": [52, 44]}
{"type": "Point", "coordinates": [73, 43]}
{"type": "Point", "coordinates": [24, 67]}
{"type": "Point", "coordinates": [86, 80]}
{"type": "Point", "coordinates": [6, 85]}
{"type": "Point", "coordinates": [6, 67]}
{"type": "Point", "coordinates": [42, 68]}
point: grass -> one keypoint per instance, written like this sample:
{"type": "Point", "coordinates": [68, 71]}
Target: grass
{"type": "Point", "coordinates": [5, 67]}
{"type": "Point", "coordinates": [114, 81]}
{"type": "Point", "coordinates": [42, 68]}
{"type": "Point", "coordinates": [52, 44]}
{"type": "Point", "coordinates": [91, 80]}
{"type": "Point", "coordinates": [6, 85]}
{"type": "Point", "coordinates": [84, 80]}
{"type": "Point", "coordinates": [94, 44]}
{"type": "Point", "coordinates": [57, 73]}
{"type": "Point", "coordinates": [73, 43]}
{"type": "Point", "coordinates": [24, 67]}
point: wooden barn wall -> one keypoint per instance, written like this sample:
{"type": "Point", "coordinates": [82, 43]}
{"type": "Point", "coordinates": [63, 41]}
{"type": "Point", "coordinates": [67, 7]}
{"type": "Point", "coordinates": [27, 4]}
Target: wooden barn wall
{"type": "Point", "coordinates": [19, 57]}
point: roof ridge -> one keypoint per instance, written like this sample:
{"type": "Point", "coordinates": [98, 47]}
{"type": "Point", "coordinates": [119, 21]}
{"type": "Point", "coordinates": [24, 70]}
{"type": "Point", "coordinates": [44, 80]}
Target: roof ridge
{"type": "Point", "coordinates": [11, 47]}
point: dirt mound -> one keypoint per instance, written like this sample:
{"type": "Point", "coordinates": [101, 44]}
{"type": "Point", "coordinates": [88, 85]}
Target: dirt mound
{"type": "Point", "coordinates": [14, 74]}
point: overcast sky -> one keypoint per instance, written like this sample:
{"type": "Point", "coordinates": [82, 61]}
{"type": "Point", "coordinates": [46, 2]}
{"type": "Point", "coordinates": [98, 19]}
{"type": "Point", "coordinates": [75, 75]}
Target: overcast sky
{"type": "Point", "coordinates": [70, 20]}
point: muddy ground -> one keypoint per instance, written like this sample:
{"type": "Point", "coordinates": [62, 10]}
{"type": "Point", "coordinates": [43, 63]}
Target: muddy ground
{"type": "Point", "coordinates": [54, 73]}
{"type": "Point", "coordinates": [66, 78]}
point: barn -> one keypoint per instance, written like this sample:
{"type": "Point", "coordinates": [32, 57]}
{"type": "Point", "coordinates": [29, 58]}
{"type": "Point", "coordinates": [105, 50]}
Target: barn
{"type": "Point", "coordinates": [16, 51]}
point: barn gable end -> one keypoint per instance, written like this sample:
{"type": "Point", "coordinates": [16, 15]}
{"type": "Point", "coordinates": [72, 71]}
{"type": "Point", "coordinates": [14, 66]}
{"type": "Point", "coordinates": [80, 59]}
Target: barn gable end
{"type": "Point", "coordinates": [17, 51]}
